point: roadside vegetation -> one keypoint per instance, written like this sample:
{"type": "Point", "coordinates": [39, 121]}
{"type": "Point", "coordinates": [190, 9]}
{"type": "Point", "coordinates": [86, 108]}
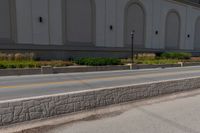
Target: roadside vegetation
{"type": "Point", "coordinates": [164, 58]}
{"type": "Point", "coordinates": [98, 61]}
{"type": "Point", "coordinates": [29, 60]}
{"type": "Point", "coordinates": [176, 55]}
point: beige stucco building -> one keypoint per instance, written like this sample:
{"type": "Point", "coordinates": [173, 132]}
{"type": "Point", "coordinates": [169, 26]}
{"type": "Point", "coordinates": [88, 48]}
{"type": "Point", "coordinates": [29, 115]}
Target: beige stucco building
{"type": "Point", "coordinates": [77, 28]}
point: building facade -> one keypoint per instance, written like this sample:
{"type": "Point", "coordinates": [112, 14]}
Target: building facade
{"type": "Point", "coordinates": [55, 29]}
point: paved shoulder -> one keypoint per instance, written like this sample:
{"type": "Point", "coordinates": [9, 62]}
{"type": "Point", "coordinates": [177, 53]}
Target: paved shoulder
{"type": "Point", "coordinates": [177, 116]}
{"type": "Point", "coordinates": [38, 85]}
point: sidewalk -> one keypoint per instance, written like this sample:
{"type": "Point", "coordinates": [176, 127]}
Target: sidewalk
{"type": "Point", "coordinates": [176, 116]}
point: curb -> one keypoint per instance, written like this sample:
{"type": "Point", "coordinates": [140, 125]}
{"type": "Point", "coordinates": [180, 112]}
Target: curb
{"type": "Point", "coordinates": [56, 70]}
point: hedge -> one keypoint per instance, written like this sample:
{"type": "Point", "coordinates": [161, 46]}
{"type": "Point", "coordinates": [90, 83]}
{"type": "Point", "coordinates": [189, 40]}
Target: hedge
{"type": "Point", "coordinates": [176, 55]}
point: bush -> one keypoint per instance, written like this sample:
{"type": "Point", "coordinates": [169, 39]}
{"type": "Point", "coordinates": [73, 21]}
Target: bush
{"type": "Point", "coordinates": [98, 61]}
{"type": "Point", "coordinates": [3, 56]}
{"type": "Point", "coordinates": [32, 64]}
{"type": "Point", "coordinates": [17, 56]}
{"type": "Point", "coordinates": [145, 56]}
{"type": "Point", "coordinates": [176, 55]}
{"type": "Point", "coordinates": [10, 56]}
{"type": "Point", "coordinates": [158, 61]}
{"type": "Point", "coordinates": [17, 64]}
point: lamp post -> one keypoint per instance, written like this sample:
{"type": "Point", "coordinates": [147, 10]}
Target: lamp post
{"type": "Point", "coordinates": [132, 43]}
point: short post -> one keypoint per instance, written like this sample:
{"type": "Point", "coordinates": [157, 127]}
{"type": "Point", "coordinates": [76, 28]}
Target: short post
{"type": "Point", "coordinates": [132, 43]}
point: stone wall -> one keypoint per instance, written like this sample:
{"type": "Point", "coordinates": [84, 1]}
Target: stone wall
{"type": "Point", "coordinates": [22, 110]}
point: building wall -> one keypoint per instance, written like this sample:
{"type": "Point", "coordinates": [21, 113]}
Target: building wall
{"type": "Point", "coordinates": [5, 25]}
{"type": "Point", "coordinates": [29, 28]}
{"type": "Point", "coordinates": [101, 24]}
{"type": "Point", "coordinates": [6, 21]}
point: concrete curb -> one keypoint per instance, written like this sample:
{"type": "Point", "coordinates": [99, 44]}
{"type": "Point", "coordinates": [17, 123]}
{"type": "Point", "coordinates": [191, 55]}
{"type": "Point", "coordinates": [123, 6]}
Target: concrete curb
{"type": "Point", "coordinates": [13, 72]}
{"type": "Point", "coordinates": [55, 70]}
{"type": "Point", "coordinates": [73, 69]}
{"type": "Point", "coordinates": [22, 110]}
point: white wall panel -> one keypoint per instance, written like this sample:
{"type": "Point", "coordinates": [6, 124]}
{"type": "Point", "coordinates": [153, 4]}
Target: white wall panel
{"type": "Point", "coordinates": [24, 21]}
{"type": "Point", "coordinates": [40, 8]}
{"type": "Point", "coordinates": [79, 21]}
{"type": "Point", "coordinates": [111, 22]}
{"type": "Point", "coordinates": [5, 21]}
{"type": "Point", "coordinates": [55, 22]}
{"type": "Point", "coordinates": [100, 20]}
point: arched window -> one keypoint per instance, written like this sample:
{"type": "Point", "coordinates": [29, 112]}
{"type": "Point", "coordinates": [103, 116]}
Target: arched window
{"type": "Point", "coordinates": [135, 20]}
{"type": "Point", "coordinates": [172, 30]}
{"type": "Point", "coordinates": [79, 21]}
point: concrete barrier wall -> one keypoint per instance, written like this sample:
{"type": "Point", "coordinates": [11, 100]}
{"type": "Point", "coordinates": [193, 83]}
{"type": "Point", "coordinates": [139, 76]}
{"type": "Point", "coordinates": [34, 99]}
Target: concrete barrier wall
{"type": "Point", "coordinates": [22, 110]}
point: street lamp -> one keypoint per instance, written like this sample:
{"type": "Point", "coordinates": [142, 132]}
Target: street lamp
{"type": "Point", "coordinates": [132, 43]}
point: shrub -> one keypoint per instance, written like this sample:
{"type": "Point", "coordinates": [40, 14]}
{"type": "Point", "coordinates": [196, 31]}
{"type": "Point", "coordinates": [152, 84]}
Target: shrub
{"type": "Point", "coordinates": [17, 56]}
{"type": "Point", "coordinates": [10, 56]}
{"type": "Point", "coordinates": [32, 64]}
{"type": "Point", "coordinates": [32, 56]}
{"type": "Point", "coordinates": [3, 56]}
{"type": "Point", "coordinates": [158, 61]}
{"type": "Point", "coordinates": [98, 61]}
{"type": "Point", "coordinates": [29, 56]}
{"type": "Point", "coordinates": [145, 56]}
{"type": "Point", "coordinates": [176, 55]}
{"type": "Point", "coordinates": [2, 66]}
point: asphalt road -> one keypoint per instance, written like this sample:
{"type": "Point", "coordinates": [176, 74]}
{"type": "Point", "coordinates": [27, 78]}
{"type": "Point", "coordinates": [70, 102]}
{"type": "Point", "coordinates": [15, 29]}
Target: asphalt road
{"type": "Point", "coordinates": [174, 116]}
{"type": "Point", "coordinates": [29, 86]}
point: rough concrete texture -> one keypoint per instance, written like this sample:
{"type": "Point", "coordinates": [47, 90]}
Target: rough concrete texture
{"type": "Point", "coordinates": [88, 69]}
{"type": "Point", "coordinates": [72, 69]}
{"type": "Point", "coordinates": [26, 71]}
{"type": "Point", "coordinates": [21, 110]}
{"type": "Point", "coordinates": [50, 70]}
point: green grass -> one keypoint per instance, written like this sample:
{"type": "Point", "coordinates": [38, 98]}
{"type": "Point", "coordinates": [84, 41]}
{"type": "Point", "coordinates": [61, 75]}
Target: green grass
{"type": "Point", "coordinates": [155, 61]}
{"type": "Point", "coordinates": [158, 61]}
{"type": "Point", "coordinates": [17, 64]}
{"type": "Point", "coordinates": [4, 64]}
{"type": "Point", "coordinates": [98, 61]}
{"type": "Point", "coordinates": [176, 55]}
{"type": "Point", "coordinates": [165, 58]}
{"type": "Point", "coordinates": [19, 60]}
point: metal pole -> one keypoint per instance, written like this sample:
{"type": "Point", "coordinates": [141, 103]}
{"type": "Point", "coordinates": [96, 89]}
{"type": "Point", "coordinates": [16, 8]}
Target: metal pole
{"type": "Point", "coordinates": [132, 43]}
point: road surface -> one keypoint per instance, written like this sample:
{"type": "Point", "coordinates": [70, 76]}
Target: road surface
{"type": "Point", "coordinates": [38, 85]}
{"type": "Point", "coordinates": [175, 116]}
